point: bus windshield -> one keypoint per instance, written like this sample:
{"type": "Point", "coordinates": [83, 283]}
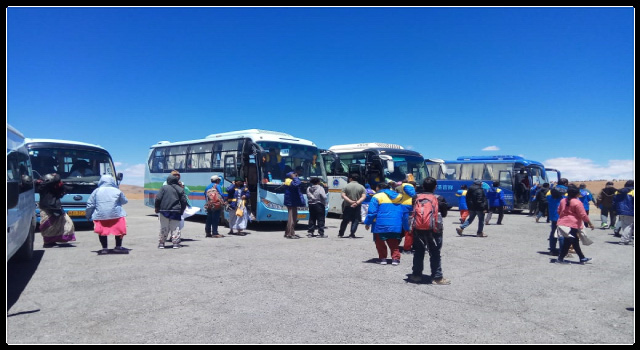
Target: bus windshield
{"type": "Point", "coordinates": [73, 165]}
{"type": "Point", "coordinates": [284, 157]}
{"type": "Point", "coordinates": [404, 165]}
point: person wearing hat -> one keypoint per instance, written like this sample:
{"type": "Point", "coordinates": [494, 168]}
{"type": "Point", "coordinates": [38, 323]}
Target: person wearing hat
{"type": "Point", "coordinates": [213, 216]}
{"type": "Point", "coordinates": [238, 193]}
{"type": "Point", "coordinates": [477, 203]}
{"type": "Point", "coordinates": [293, 198]}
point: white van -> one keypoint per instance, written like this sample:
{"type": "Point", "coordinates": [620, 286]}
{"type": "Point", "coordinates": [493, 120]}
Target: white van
{"type": "Point", "coordinates": [21, 204]}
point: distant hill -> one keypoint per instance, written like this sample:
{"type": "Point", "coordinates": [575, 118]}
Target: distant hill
{"type": "Point", "coordinates": [132, 192]}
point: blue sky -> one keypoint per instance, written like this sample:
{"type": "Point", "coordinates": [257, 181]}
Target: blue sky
{"type": "Point", "coordinates": [551, 84]}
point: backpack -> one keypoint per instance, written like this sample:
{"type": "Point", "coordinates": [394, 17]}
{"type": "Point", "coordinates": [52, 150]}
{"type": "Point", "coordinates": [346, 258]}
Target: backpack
{"type": "Point", "coordinates": [425, 215]}
{"type": "Point", "coordinates": [214, 200]}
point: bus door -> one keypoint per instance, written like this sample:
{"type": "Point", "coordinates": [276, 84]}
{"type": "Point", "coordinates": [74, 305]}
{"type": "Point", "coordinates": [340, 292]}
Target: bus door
{"type": "Point", "coordinates": [506, 184]}
{"type": "Point", "coordinates": [373, 171]}
{"type": "Point", "coordinates": [249, 170]}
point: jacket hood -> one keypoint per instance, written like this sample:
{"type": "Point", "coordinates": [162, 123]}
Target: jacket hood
{"type": "Point", "coordinates": [392, 194]}
{"type": "Point", "coordinates": [625, 190]}
{"type": "Point", "coordinates": [172, 180]}
{"type": "Point", "coordinates": [108, 181]}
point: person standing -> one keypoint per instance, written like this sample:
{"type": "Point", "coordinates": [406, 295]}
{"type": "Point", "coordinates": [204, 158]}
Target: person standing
{"type": "Point", "coordinates": [364, 207]}
{"type": "Point", "coordinates": [605, 203]}
{"type": "Point", "coordinates": [55, 225]}
{"type": "Point", "coordinates": [570, 222]}
{"type": "Point", "coordinates": [213, 215]}
{"type": "Point", "coordinates": [543, 204]}
{"type": "Point", "coordinates": [238, 193]}
{"type": "Point", "coordinates": [293, 199]}
{"type": "Point", "coordinates": [462, 203]}
{"type": "Point", "coordinates": [352, 197]}
{"type": "Point", "coordinates": [554, 196]}
{"type": "Point", "coordinates": [477, 203]}
{"type": "Point", "coordinates": [385, 220]}
{"type": "Point", "coordinates": [623, 202]}
{"type": "Point", "coordinates": [170, 204]}
{"type": "Point", "coordinates": [430, 240]}
{"type": "Point", "coordinates": [585, 197]}
{"type": "Point", "coordinates": [495, 198]}
{"type": "Point", "coordinates": [104, 208]}
{"type": "Point", "coordinates": [317, 198]}
{"type": "Point", "coordinates": [522, 186]}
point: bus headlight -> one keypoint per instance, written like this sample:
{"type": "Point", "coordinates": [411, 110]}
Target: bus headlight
{"type": "Point", "coordinates": [272, 205]}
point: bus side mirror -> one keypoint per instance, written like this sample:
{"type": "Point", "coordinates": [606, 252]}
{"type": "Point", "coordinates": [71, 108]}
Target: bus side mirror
{"type": "Point", "coordinates": [119, 176]}
{"type": "Point", "coordinates": [13, 194]}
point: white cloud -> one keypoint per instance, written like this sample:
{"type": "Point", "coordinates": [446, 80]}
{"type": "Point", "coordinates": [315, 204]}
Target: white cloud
{"type": "Point", "coordinates": [582, 169]}
{"type": "Point", "coordinates": [133, 174]}
{"type": "Point", "coordinates": [409, 147]}
{"type": "Point", "coordinates": [491, 148]}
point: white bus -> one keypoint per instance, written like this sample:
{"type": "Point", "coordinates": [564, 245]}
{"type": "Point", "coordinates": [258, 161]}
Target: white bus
{"type": "Point", "coordinates": [21, 213]}
{"type": "Point", "coordinates": [374, 162]}
{"type": "Point", "coordinates": [261, 158]}
{"type": "Point", "coordinates": [79, 165]}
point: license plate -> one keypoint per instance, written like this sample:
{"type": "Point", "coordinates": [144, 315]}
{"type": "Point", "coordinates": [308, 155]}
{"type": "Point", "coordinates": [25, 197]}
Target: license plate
{"type": "Point", "coordinates": [302, 216]}
{"type": "Point", "coordinates": [76, 213]}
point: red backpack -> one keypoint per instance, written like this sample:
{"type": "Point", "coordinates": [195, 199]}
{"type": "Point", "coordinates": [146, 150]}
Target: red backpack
{"type": "Point", "coordinates": [425, 215]}
{"type": "Point", "coordinates": [214, 200]}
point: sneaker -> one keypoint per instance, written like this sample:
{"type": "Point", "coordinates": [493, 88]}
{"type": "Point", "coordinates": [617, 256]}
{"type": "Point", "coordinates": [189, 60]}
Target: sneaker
{"type": "Point", "coordinates": [322, 235]}
{"type": "Point", "coordinates": [486, 223]}
{"type": "Point", "coordinates": [584, 260]}
{"type": "Point", "coordinates": [414, 278]}
{"type": "Point", "coordinates": [310, 235]}
{"type": "Point", "coordinates": [121, 250]}
{"type": "Point", "coordinates": [441, 281]}
{"type": "Point", "coordinates": [395, 262]}
{"type": "Point", "coordinates": [558, 261]}
{"type": "Point", "coordinates": [459, 230]}
{"type": "Point", "coordinates": [296, 236]}
{"type": "Point", "coordinates": [382, 261]}
{"type": "Point", "coordinates": [481, 234]}
{"type": "Point", "coordinates": [103, 251]}
{"type": "Point", "coordinates": [624, 243]}
{"type": "Point", "coordinates": [161, 246]}
{"type": "Point", "coordinates": [176, 246]}
{"type": "Point", "coordinates": [604, 226]}
{"type": "Point", "coordinates": [617, 235]}
{"type": "Point", "coordinates": [208, 235]}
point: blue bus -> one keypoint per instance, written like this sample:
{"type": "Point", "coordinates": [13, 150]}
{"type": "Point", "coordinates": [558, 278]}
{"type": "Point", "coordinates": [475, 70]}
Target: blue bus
{"type": "Point", "coordinates": [261, 157]}
{"type": "Point", "coordinates": [79, 165]}
{"type": "Point", "coordinates": [515, 174]}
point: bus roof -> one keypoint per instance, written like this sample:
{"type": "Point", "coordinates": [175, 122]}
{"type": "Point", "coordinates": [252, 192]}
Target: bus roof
{"type": "Point", "coordinates": [30, 141]}
{"type": "Point", "coordinates": [14, 138]}
{"type": "Point", "coordinates": [255, 135]}
{"type": "Point", "coordinates": [362, 146]}
{"type": "Point", "coordinates": [493, 159]}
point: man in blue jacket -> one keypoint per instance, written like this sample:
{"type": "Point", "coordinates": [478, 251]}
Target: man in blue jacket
{"type": "Point", "coordinates": [623, 202]}
{"type": "Point", "coordinates": [495, 197]}
{"type": "Point", "coordinates": [385, 220]}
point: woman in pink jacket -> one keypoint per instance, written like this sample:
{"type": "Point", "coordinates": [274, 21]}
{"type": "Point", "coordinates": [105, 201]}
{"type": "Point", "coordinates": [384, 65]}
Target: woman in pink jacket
{"type": "Point", "coordinates": [570, 222]}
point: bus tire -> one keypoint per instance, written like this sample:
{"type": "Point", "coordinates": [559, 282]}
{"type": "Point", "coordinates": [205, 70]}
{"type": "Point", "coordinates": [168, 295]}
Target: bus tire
{"type": "Point", "coordinates": [25, 253]}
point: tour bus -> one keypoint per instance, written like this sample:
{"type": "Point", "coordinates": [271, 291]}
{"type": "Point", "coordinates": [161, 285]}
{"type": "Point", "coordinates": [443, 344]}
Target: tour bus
{"type": "Point", "coordinates": [373, 162]}
{"type": "Point", "coordinates": [262, 158]}
{"type": "Point", "coordinates": [21, 214]}
{"type": "Point", "coordinates": [80, 166]}
{"type": "Point", "coordinates": [515, 174]}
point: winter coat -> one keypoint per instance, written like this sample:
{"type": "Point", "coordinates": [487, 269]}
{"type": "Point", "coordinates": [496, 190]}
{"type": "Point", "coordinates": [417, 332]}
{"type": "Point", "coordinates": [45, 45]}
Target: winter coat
{"type": "Point", "coordinates": [554, 196]}
{"type": "Point", "coordinates": [476, 199]}
{"type": "Point", "coordinates": [462, 199]}
{"type": "Point", "coordinates": [495, 197]}
{"type": "Point", "coordinates": [235, 195]}
{"type": "Point", "coordinates": [171, 197]}
{"type": "Point", "coordinates": [316, 195]}
{"type": "Point", "coordinates": [623, 201]}
{"type": "Point", "coordinates": [605, 198]}
{"type": "Point", "coordinates": [106, 201]}
{"type": "Point", "coordinates": [385, 214]}
{"type": "Point", "coordinates": [51, 189]}
{"type": "Point", "coordinates": [293, 196]}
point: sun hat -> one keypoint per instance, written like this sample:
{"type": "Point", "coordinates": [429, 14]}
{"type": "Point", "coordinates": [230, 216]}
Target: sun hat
{"type": "Point", "coordinates": [215, 178]}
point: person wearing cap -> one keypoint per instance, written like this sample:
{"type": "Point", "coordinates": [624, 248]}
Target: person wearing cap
{"type": "Point", "coordinates": [477, 203]}
{"type": "Point", "coordinates": [605, 203]}
{"type": "Point", "coordinates": [238, 193]}
{"type": "Point", "coordinates": [213, 216]}
{"type": "Point", "coordinates": [293, 198]}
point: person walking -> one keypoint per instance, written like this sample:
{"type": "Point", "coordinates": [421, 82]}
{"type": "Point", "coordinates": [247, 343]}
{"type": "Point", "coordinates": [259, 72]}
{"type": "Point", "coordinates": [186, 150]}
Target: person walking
{"type": "Point", "coordinates": [385, 220]}
{"type": "Point", "coordinates": [317, 198]}
{"type": "Point", "coordinates": [462, 203]}
{"type": "Point", "coordinates": [495, 198]}
{"type": "Point", "coordinates": [353, 194]}
{"type": "Point", "coordinates": [213, 215]}
{"type": "Point", "coordinates": [104, 208]}
{"type": "Point", "coordinates": [170, 204]}
{"type": "Point", "coordinates": [585, 197]}
{"type": "Point", "coordinates": [429, 240]}
{"type": "Point", "coordinates": [293, 199]}
{"type": "Point", "coordinates": [605, 203]}
{"type": "Point", "coordinates": [364, 207]}
{"type": "Point", "coordinates": [238, 193]}
{"type": "Point", "coordinates": [570, 222]}
{"type": "Point", "coordinates": [543, 204]}
{"type": "Point", "coordinates": [623, 202]}
{"type": "Point", "coordinates": [554, 196]}
{"type": "Point", "coordinates": [55, 224]}
{"type": "Point", "coordinates": [477, 203]}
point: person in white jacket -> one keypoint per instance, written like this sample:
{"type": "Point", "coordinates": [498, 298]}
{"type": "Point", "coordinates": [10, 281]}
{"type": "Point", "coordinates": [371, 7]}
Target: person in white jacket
{"type": "Point", "coordinates": [104, 208]}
